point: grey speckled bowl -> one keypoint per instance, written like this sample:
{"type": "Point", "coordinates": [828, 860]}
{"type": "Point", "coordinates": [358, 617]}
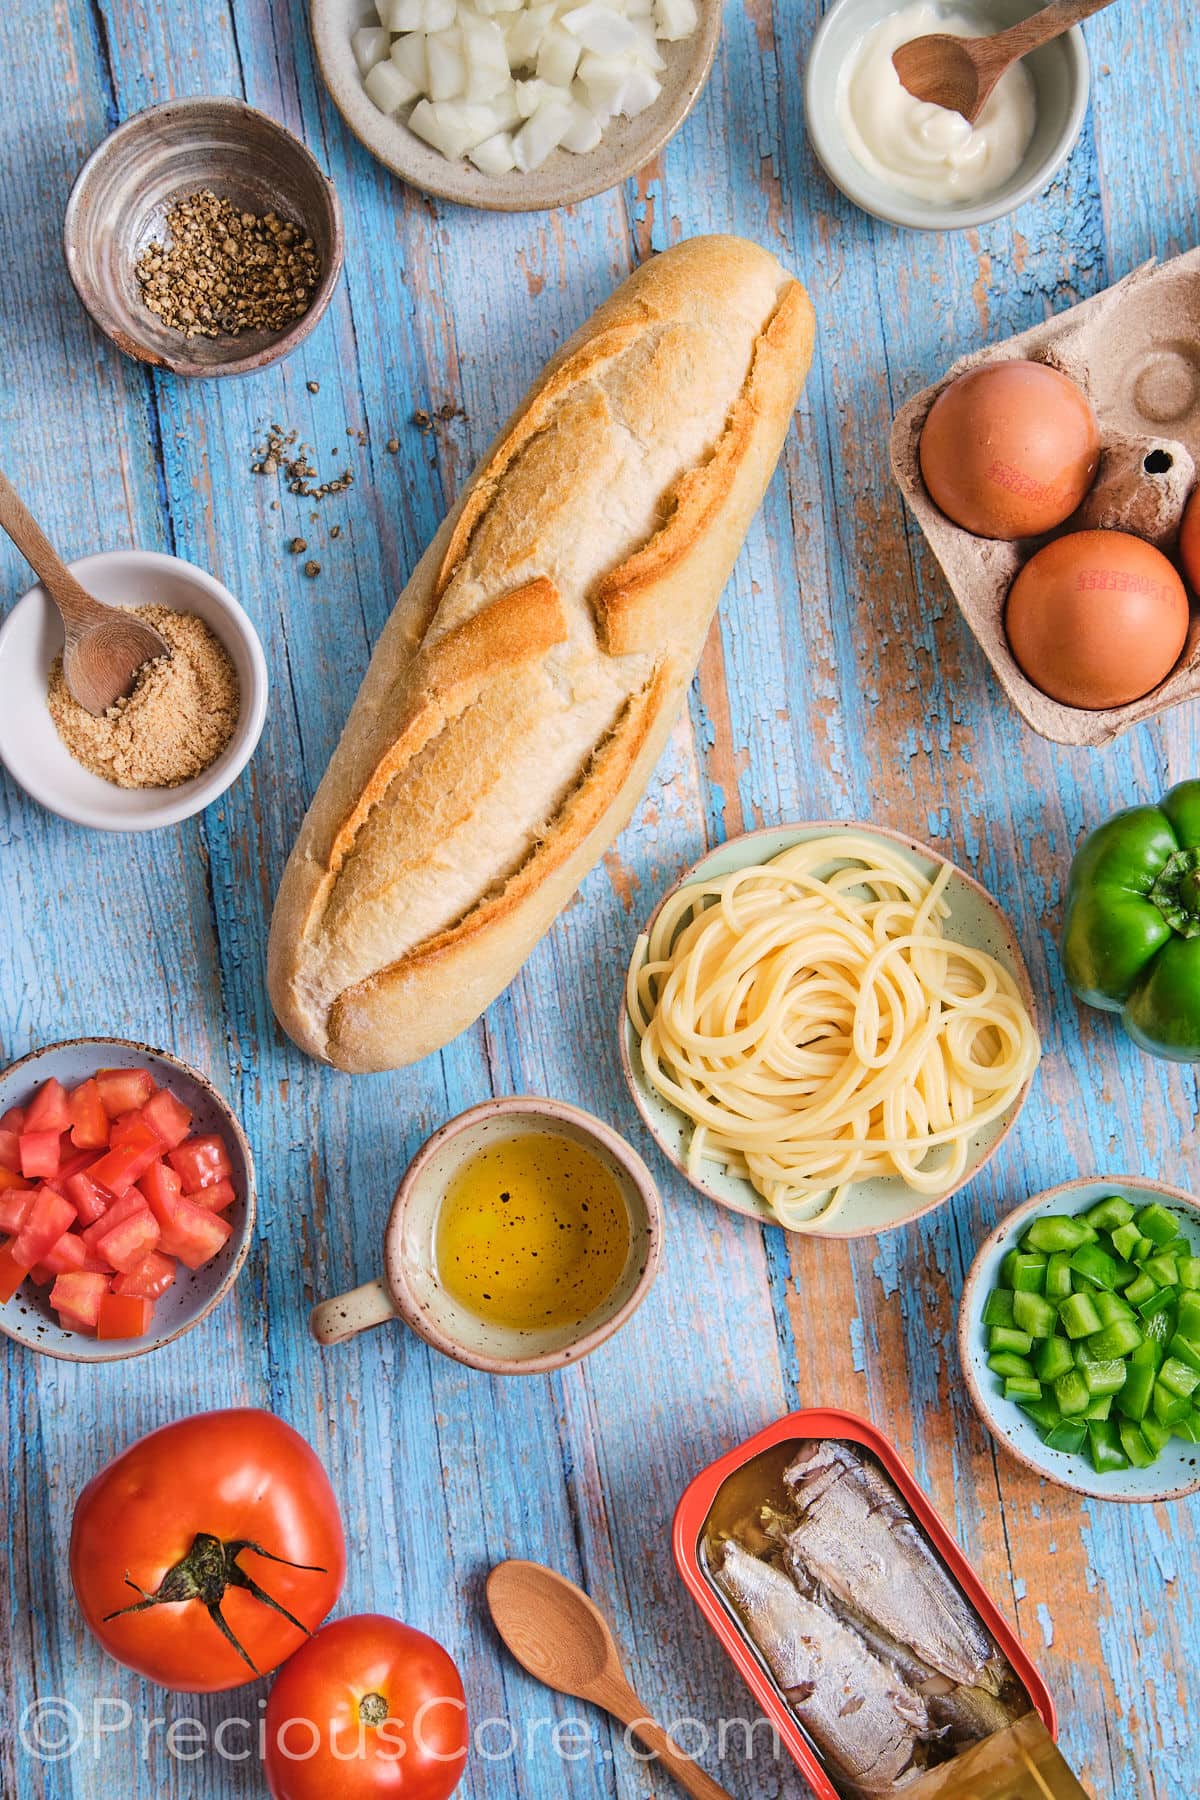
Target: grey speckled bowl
{"type": "Point", "coordinates": [27, 1317]}
{"type": "Point", "coordinates": [627, 146]}
{"type": "Point", "coordinates": [1061, 77]}
{"type": "Point", "coordinates": [119, 202]}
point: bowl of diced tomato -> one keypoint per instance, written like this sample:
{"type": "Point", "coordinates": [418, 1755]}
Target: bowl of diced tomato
{"type": "Point", "coordinates": [127, 1199]}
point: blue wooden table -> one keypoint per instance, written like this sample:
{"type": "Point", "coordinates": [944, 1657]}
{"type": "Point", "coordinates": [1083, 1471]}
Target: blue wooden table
{"type": "Point", "coordinates": [839, 682]}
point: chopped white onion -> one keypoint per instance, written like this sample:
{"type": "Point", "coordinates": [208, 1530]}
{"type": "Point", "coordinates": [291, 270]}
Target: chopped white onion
{"type": "Point", "coordinates": [370, 46]}
{"type": "Point", "coordinates": [508, 82]}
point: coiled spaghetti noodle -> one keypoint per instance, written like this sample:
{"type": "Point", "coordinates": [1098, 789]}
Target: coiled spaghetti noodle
{"type": "Point", "coordinates": [812, 1020]}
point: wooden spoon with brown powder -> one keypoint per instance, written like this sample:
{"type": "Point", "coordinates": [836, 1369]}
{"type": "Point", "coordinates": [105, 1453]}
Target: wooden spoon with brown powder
{"type": "Point", "coordinates": [105, 647]}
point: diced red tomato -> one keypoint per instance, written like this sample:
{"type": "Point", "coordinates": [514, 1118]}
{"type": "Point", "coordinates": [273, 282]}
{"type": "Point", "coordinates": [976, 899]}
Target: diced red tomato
{"type": "Point", "coordinates": [39, 1154]}
{"type": "Point", "coordinates": [13, 1120]}
{"type": "Point", "coordinates": [12, 1177]}
{"type": "Point", "coordinates": [79, 1293]}
{"type": "Point", "coordinates": [167, 1116]}
{"type": "Point", "coordinates": [124, 1090]}
{"type": "Point", "coordinates": [126, 1243]}
{"type": "Point", "coordinates": [201, 1162]}
{"type": "Point", "coordinates": [150, 1280]}
{"type": "Point", "coordinates": [70, 1252]}
{"type": "Point", "coordinates": [89, 1201]}
{"type": "Point", "coordinates": [89, 1119]}
{"type": "Point", "coordinates": [49, 1216]}
{"type": "Point", "coordinates": [215, 1198]}
{"type": "Point", "coordinates": [120, 1166]}
{"type": "Point", "coordinates": [124, 1316]}
{"type": "Point", "coordinates": [15, 1204]}
{"type": "Point", "coordinates": [49, 1109]}
{"type": "Point", "coordinates": [74, 1164]}
{"type": "Point", "coordinates": [10, 1149]}
{"type": "Point", "coordinates": [162, 1188]}
{"type": "Point", "coordinates": [40, 1275]}
{"type": "Point", "coordinates": [124, 1208]}
{"type": "Point", "coordinates": [12, 1274]}
{"type": "Point", "coordinates": [194, 1235]}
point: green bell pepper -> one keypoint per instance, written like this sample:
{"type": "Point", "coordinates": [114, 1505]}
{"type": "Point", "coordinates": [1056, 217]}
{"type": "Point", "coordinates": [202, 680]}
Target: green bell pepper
{"type": "Point", "coordinates": [1131, 935]}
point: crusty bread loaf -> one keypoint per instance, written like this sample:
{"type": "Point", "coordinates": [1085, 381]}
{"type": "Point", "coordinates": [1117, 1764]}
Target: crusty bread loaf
{"type": "Point", "coordinates": [528, 678]}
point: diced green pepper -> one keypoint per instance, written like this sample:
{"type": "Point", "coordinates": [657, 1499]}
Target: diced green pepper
{"type": "Point", "coordinates": [1156, 1435]}
{"type": "Point", "coordinates": [1099, 1408]}
{"type": "Point", "coordinates": [1189, 1429]}
{"type": "Point", "coordinates": [1189, 1272]}
{"type": "Point", "coordinates": [1043, 1412]}
{"type": "Point", "coordinates": [1110, 1214]}
{"type": "Point", "coordinates": [1178, 1377]}
{"type": "Point", "coordinates": [1168, 1408]}
{"type": "Point", "coordinates": [1140, 1289]}
{"type": "Point", "coordinates": [1079, 1316]}
{"type": "Point", "coordinates": [1110, 1307]}
{"type": "Point", "coordinates": [1158, 1302]}
{"type": "Point", "coordinates": [1156, 1223]}
{"type": "Point", "coordinates": [1134, 1398]}
{"type": "Point", "coordinates": [1071, 1393]}
{"type": "Point", "coordinates": [998, 1307]}
{"type": "Point", "coordinates": [1134, 1445]}
{"type": "Point", "coordinates": [1053, 1359]}
{"type": "Point", "coordinates": [1104, 1446]}
{"type": "Point", "coordinates": [1125, 1241]}
{"type": "Point", "coordinates": [1184, 1352]}
{"type": "Point", "coordinates": [1117, 1339]}
{"type": "Point", "coordinates": [1017, 1387]}
{"type": "Point", "coordinates": [1163, 1269]}
{"type": "Point", "coordinates": [1007, 1337]}
{"type": "Point", "coordinates": [1057, 1232]}
{"type": "Point", "coordinates": [1104, 1377]}
{"type": "Point", "coordinates": [1070, 1436]}
{"type": "Point", "coordinates": [1058, 1275]}
{"type": "Point", "coordinates": [1026, 1272]}
{"type": "Point", "coordinates": [1098, 1267]}
{"type": "Point", "coordinates": [1159, 1327]}
{"type": "Point", "coordinates": [1149, 1354]}
{"type": "Point", "coordinates": [1034, 1314]}
{"type": "Point", "coordinates": [1188, 1322]}
{"type": "Point", "coordinates": [1005, 1363]}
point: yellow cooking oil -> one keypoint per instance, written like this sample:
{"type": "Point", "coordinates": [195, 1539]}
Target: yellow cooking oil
{"type": "Point", "coordinates": [532, 1233]}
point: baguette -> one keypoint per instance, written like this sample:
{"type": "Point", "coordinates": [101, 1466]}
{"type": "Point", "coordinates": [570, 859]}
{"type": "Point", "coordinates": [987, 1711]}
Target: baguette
{"type": "Point", "coordinates": [531, 671]}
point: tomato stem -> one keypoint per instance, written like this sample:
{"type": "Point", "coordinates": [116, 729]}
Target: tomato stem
{"type": "Point", "coordinates": [206, 1573]}
{"type": "Point", "coordinates": [372, 1709]}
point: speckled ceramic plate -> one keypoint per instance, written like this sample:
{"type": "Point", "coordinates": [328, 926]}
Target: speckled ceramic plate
{"type": "Point", "coordinates": [883, 1202]}
{"type": "Point", "coordinates": [1177, 1469]}
{"type": "Point", "coordinates": [27, 1317]}
{"type": "Point", "coordinates": [627, 145]}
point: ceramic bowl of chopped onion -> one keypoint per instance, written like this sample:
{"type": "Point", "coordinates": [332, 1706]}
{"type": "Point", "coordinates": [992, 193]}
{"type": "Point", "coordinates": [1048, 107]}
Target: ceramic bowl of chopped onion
{"type": "Point", "coordinates": [515, 105]}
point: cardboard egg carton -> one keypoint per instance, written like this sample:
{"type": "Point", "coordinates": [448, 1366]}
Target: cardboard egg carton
{"type": "Point", "coordinates": [1135, 352]}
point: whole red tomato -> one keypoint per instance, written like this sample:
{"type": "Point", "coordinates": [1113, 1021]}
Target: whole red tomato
{"type": "Point", "coordinates": [367, 1708]}
{"type": "Point", "coordinates": [229, 1513]}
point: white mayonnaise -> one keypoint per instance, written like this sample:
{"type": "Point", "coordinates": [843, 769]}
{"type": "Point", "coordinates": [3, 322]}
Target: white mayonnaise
{"type": "Point", "coordinates": [925, 150]}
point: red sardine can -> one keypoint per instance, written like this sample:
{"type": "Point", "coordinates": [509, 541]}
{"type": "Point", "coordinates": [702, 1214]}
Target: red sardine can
{"type": "Point", "coordinates": [693, 1511]}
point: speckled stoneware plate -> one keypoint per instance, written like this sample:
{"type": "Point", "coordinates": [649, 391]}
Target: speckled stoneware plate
{"type": "Point", "coordinates": [883, 1202]}
{"type": "Point", "coordinates": [27, 1317]}
{"type": "Point", "coordinates": [1177, 1470]}
{"type": "Point", "coordinates": [627, 145]}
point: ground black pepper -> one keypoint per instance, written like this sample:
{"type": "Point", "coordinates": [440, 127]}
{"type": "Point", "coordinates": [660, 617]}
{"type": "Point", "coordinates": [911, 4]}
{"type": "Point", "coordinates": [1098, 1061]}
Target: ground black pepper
{"type": "Point", "coordinates": [225, 271]}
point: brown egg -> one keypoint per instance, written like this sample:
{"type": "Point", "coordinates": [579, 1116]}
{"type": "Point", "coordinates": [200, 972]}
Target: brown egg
{"type": "Point", "coordinates": [1010, 450]}
{"type": "Point", "coordinates": [1189, 541]}
{"type": "Point", "coordinates": [1097, 618]}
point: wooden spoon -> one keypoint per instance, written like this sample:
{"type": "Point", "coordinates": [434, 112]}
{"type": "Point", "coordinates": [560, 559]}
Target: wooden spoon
{"type": "Point", "coordinates": [105, 647]}
{"type": "Point", "coordinates": [560, 1637]}
{"type": "Point", "coordinates": [959, 73]}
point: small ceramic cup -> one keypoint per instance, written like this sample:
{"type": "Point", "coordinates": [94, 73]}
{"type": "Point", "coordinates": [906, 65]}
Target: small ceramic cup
{"type": "Point", "coordinates": [410, 1290]}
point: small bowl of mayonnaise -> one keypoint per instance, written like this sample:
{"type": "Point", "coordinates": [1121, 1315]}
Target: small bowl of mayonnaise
{"type": "Point", "coordinates": [915, 164]}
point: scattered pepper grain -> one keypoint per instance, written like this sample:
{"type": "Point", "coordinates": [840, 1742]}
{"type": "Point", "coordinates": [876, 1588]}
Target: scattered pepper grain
{"type": "Point", "coordinates": [225, 271]}
{"type": "Point", "coordinates": [297, 546]}
{"type": "Point", "coordinates": [177, 719]}
{"type": "Point", "coordinates": [312, 569]}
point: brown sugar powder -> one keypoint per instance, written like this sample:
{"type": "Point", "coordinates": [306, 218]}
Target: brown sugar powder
{"type": "Point", "coordinates": [177, 719]}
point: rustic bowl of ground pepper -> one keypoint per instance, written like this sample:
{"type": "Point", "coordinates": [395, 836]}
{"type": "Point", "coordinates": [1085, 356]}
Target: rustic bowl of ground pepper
{"type": "Point", "coordinates": [203, 238]}
{"type": "Point", "coordinates": [182, 735]}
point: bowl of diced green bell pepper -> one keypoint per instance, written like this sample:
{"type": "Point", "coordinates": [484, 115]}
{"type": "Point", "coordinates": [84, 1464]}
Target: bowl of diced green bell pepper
{"type": "Point", "coordinates": [1079, 1334]}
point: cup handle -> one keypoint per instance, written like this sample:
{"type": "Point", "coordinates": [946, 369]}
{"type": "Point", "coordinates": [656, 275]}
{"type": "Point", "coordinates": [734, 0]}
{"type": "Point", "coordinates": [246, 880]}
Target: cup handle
{"type": "Point", "coordinates": [332, 1321]}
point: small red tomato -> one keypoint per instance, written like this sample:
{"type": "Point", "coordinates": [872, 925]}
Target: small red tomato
{"type": "Point", "coordinates": [368, 1708]}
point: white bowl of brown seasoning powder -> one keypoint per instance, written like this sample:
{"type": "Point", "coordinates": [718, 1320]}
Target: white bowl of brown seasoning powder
{"type": "Point", "coordinates": [176, 742]}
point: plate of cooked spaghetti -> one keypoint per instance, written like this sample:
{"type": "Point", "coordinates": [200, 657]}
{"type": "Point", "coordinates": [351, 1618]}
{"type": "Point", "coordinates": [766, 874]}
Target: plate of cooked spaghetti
{"type": "Point", "coordinates": [828, 1026]}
